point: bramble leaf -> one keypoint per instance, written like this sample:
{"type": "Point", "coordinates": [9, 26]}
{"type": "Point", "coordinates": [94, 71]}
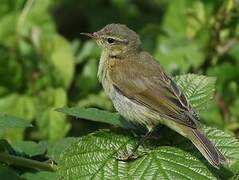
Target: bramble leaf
{"type": "Point", "coordinates": [198, 89]}
{"type": "Point", "coordinates": [94, 156]}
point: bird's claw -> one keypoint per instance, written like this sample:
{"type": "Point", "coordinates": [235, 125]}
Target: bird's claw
{"type": "Point", "coordinates": [129, 156]}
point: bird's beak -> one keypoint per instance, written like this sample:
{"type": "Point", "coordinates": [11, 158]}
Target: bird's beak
{"type": "Point", "coordinates": [92, 35]}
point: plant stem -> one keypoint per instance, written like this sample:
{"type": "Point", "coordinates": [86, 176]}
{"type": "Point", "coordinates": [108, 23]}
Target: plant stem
{"type": "Point", "coordinates": [23, 15]}
{"type": "Point", "coordinates": [24, 162]}
{"type": "Point", "coordinates": [221, 17]}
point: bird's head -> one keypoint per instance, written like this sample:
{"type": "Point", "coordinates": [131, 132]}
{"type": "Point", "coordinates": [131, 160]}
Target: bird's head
{"type": "Point", "coordinates": [116, 38]}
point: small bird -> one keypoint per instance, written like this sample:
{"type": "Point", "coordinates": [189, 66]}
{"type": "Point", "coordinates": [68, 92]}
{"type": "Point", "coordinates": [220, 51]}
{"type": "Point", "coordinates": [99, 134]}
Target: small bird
{"type": "Point", "coordinates": [143, 93]}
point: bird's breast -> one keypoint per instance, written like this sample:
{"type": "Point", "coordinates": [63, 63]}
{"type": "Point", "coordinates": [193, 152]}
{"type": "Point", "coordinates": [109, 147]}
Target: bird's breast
{"type": "Point", "coordinates": [103, 74]}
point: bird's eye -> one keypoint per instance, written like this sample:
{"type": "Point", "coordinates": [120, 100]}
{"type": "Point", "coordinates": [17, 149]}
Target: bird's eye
{"type": "Point", "coordinates": [110, 40]}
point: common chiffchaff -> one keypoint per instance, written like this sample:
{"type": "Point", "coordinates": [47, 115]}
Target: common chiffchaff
{"type": "Point", "coordinates": [142, 92]}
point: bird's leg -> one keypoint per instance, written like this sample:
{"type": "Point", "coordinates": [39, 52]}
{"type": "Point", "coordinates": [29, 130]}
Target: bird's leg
{"type": "Point", "coordinates": [131, 155]}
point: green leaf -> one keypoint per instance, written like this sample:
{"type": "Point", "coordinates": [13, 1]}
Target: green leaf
{"type": "Point", "coordinates": [198, 89]}
{"type": "Point", "coordinates": [7, 122]}
{"type": "Point", "coordinates": [30, 148]}
{"type": "Point", "coordinates": [94, 157]}
{"type": "Point", "coordinates": [96, 115]}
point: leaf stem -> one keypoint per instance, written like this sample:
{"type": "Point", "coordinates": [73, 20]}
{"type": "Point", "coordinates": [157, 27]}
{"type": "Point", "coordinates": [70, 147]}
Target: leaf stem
{"type": "Point", "coordinates": [24, 162]}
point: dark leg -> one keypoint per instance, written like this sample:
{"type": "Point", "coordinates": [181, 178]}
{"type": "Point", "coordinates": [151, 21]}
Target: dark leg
{"type": "Point", "coordinates": [131, 155]}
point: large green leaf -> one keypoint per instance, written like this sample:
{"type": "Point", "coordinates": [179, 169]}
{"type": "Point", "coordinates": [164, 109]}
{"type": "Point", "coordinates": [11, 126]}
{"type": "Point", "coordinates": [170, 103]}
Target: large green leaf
{"type": "Point", "coordinates": [198, 89]}
{"type": "Point", "coordinates": [94, 157]}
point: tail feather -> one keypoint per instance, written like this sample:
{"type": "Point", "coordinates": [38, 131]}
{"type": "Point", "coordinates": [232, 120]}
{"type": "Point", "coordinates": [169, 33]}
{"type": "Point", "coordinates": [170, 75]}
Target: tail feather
{"type": "Point", "coordinates": [205, 146]}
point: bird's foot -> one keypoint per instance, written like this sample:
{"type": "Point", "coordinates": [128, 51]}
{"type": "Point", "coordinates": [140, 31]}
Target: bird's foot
{"type": "Point", "coordinates": [129, 156]}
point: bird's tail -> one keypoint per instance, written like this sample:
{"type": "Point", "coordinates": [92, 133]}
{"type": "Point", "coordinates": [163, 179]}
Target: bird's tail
{"type": "Point", "coordinates": [205, 146]}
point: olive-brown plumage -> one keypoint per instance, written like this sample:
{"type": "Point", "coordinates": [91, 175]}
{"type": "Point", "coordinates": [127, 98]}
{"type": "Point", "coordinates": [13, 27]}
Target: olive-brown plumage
{"type": "Point", "coordinates": [142, 92]}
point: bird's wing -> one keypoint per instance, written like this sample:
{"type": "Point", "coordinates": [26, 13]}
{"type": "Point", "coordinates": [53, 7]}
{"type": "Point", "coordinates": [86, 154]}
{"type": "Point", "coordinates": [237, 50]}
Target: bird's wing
{"type": "Point", "coordinates": [146, 84]}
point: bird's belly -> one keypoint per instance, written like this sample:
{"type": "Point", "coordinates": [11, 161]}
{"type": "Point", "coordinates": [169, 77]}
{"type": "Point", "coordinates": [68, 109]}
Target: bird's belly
{"type": "Point", "coordinates": [132, 111]}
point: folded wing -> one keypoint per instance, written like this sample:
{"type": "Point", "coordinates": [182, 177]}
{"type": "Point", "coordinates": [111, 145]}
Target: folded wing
{"type": "Point", "coordinates": [148, 85]}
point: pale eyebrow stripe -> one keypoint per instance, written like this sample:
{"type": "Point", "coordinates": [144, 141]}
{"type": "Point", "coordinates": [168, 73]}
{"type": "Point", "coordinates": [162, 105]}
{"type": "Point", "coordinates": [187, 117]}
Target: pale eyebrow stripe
{"type": "Point", "coordinates": [125, 41]}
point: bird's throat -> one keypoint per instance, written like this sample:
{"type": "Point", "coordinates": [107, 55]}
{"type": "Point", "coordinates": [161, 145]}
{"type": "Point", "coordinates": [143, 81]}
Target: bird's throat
{"type": "Point", "coordinates": [105, 59]}
{"type": "Point", "coordinates": [102, 65]}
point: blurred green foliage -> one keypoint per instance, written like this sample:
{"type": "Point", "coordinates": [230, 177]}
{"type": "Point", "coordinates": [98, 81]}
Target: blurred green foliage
{"type": "Point", "coordinates": [45, 63]}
